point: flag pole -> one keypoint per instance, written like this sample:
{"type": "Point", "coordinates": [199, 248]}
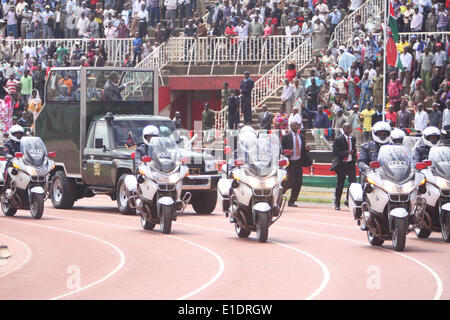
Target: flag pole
{"type": "Point", "coordinates": [386, 4]}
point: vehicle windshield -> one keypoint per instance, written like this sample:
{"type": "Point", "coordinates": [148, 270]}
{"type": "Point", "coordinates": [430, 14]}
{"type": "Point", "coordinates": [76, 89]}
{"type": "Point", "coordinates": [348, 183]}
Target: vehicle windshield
{"type": "Point", "coordinates": [164, 153]}
{"type": "Point", "coordinates": [440, 161]}
{"type": "Point", "coordinates": [260, 153]}
{"type": "Point", "coordinates": [33, 150]}
{"type": "Point", "coordinates": [395, 162]}
{"type": "Point", "coordinates": [128, 133]}
{"type": "Point", "coordinates": [411, 142]}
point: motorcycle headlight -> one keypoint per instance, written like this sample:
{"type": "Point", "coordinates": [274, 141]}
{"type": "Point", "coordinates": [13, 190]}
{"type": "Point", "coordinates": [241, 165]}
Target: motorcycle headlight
{"type": "Point", "coordinates": [442, 183]}
{"type": "Point", "coordinates": [256, 183]}
{"type": "Point", "coordinates": [211, 165]}
{"type": "Point", "coordinates": [31, 170]}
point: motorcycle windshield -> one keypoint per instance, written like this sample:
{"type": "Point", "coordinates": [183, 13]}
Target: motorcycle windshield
{"type": "Point", "coordinates": [440, 161]}
{"type": "Point", "coordinates": [33, 150]}
{"type": "Point", "coordinates": [395, 162]}
{"type": "Point", "coordinates": [260, 153]}
{"type": "Point", "coordinates": [164, 153]}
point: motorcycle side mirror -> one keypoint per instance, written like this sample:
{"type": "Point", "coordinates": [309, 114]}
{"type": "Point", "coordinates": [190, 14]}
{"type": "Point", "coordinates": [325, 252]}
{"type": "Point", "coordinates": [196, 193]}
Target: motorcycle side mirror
{"type": "Point", "coordinates": [52, 154]}
{"type": "Point", "coordinates": [146, 159]}
{"type": "Point", "coordinates": [374, 165]}
{"type": "Point", "coordinates": [421, 166]}
{"type": "Point", "coordinates": [238, 162]}
{"type": "Point", "coordinates": [18, 155]}
{"type": "Point", "coordinates": [2, 159]}
{"type": "Point", "coordinates": [428, 163]}
{"type": "Point", "coordinates": [227, 150]}
{"type": "Point", "coordinates": [283, 163]}
{"type": "Point", "coordinates": [133, 155]}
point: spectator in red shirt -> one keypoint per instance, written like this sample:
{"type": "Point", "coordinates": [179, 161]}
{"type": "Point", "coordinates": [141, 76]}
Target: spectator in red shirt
{"type": "Point", "coordinates": [391, 116]}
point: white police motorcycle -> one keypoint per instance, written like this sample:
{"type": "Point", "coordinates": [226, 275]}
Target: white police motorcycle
{"type": "Point", "coordinates": [251, 191]}
{"type": "Point", "coordinates": [29, 172]}
{"type": "Point", "coordinates": [155, 192]}
{"type": "Point", "coordinates": [387, 198]}
{"type": "Point", "coordinates": [433, 214]}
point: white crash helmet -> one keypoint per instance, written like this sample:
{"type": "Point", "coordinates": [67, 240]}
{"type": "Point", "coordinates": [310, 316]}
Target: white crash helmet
{"type": "Point", "coordinates": [397, 136]}
{"type": "Point", "coordinates": [431, 136]}
{"type": "Point", "coordinates": [150, 130]}
{"type": "Point", "coordinates": [16, 129]}
{"type": "Point", "coordinates": [377, 132]}
{"type": "Point", "coordinates": [248, 129]}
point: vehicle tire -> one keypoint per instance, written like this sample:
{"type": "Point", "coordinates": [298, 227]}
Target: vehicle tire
{"type": "Point", "coordinates": [165, 220]}
{"type": "Point", "coordinates": [241, 232]}
{"type": "Point", "coordinates": [399, 231]}
{"type": "Point", "coordinates": [37, 206]}
{"type": "Point", "coordinates": [7, 208]}
{"type": "Point", "coordinates": [204, 202]}
{"type": "Point", "coordinates": [146, 224]}
{"type": "Point", "coordinates": [374, 240]}
{"type": "Point", "coordinates": [121, 196]}
{"type": "Point", "coordinates": [445, 228]}
{"type": "Point", "coordinates": [64, 192]}
{"type": "Point", "coordinates": [422, 233]}
{"type": "Point", "coordinates": [262, 227]}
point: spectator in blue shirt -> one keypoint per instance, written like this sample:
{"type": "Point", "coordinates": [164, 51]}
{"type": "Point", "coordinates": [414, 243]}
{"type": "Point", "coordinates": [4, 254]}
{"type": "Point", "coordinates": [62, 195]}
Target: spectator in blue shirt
{"type": "Point", "coordinates": [335, 18]}
{"type": "Point", "coordinates": [137, 48]}
{"type": "Point", "coordinates": [321, 119]}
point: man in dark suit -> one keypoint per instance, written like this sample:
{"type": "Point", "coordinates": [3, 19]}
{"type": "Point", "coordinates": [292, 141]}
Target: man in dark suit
{"type": "Point", "coordinates": [294, 146]}
{"type": "Point", "coordinates": [246, 88]}
{"type": "Point", "coordinates": [344, 152]}
{"type": "Point", "coordinates": [265, 118]}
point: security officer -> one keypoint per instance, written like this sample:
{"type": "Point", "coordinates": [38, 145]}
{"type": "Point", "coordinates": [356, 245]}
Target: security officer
{"type": "Point", "coordinates": [13, 144]}
{"type": "Point", "coordinates": [369, 151]}
{"type": "Point", "coordinates": [430, 138]}
{"type": "Point", "coordinates": [142, 150]}
{"type": "Point", "coordinates": [397, 136]}
{"type": "Point", "coordinates": [246, 88]}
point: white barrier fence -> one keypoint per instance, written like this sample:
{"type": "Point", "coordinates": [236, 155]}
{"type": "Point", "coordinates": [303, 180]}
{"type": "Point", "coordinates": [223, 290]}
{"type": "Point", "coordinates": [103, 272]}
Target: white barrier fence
{"type": "Point", "coordinates": [115, 48]}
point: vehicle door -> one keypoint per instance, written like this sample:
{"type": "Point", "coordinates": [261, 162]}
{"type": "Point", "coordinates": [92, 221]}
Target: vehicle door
{"type": "Point", "coordinates": [97, 160]}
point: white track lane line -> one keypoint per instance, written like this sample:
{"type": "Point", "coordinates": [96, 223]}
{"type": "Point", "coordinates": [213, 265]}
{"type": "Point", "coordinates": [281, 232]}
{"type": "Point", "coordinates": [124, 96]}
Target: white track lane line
{"type": "Point", "coordinates": [215, 255]}
{"type": "Point", "coordinates": [439, 289]}
{"type": "Point", "coordinates": [24, 262]}
{"type": "Point", "coordinates": [109, 275]}
{"type": "Point", "coordinates": [326, 272]}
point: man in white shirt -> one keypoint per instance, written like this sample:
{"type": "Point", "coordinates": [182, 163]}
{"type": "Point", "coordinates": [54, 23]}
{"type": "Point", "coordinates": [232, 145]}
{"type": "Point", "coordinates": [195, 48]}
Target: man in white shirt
{"type": "Point", "coordinates": [295, 116]}
{"type": "Point", "coordinates": [446, 117]}
{"type": "Point", "coordinates": [416, 21]}
{"type": "Point", "coordinates": [290, 30]}
{"type": "Point", "coordinates": [405, 76]}
{"type": "Point", "coordinates": [287, 95]}
{"type": "Point", "coordinates": [82, 26]}
{"type": "Point", "coordinates": [48, 28]}
{"type": "Point", "coordinates": [439, 56]}
{"type": "Point", "coordinates": [420, 119]}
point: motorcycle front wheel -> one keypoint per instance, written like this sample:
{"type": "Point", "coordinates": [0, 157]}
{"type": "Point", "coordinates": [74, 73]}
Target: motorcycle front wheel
{"type": "Point", "coordinates": [399, 232]}
{"type": "Point", "coordinates": [445, 227]}
{"type": "Point", "coordinates": [165, 219]}
{"type": "Point", "coordinates": [262, 228]}
{"type": "Point", "coordinates": [37, 205]}
{"type": "Point", "coordinates": [241, 232]}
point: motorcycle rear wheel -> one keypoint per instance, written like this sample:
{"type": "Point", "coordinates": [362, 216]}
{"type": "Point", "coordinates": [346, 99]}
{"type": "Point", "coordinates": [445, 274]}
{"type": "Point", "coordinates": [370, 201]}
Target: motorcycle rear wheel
{"type": "Point", "coordinates": [374, 240]}
{"type": "Point", "coordinates": [7, 208]}
{"type": "Point", "coordinates": [146, 224]}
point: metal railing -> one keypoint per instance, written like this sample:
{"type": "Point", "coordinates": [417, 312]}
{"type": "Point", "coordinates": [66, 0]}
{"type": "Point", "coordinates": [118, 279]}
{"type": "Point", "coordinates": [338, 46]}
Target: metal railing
{"type": "Point", "coordinates": [270, 82]}
{"type": "Point", "coordinates": [343, 32]}
{"type": "Point", "coordinates": [221, 119]}
{"type": "Point", "coordinates": [115, 48]}
{"type": "Point", "coordinates": [217, 50]}
{"type": "Point", "coordinates": [424, 35]}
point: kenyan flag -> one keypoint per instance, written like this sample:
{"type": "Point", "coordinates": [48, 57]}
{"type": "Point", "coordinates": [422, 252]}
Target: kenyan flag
{"type": "Point", "coordinates": [393, 23]}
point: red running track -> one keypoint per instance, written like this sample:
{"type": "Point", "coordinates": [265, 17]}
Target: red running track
{"type": "Point", "coordinates": [313, 252]}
